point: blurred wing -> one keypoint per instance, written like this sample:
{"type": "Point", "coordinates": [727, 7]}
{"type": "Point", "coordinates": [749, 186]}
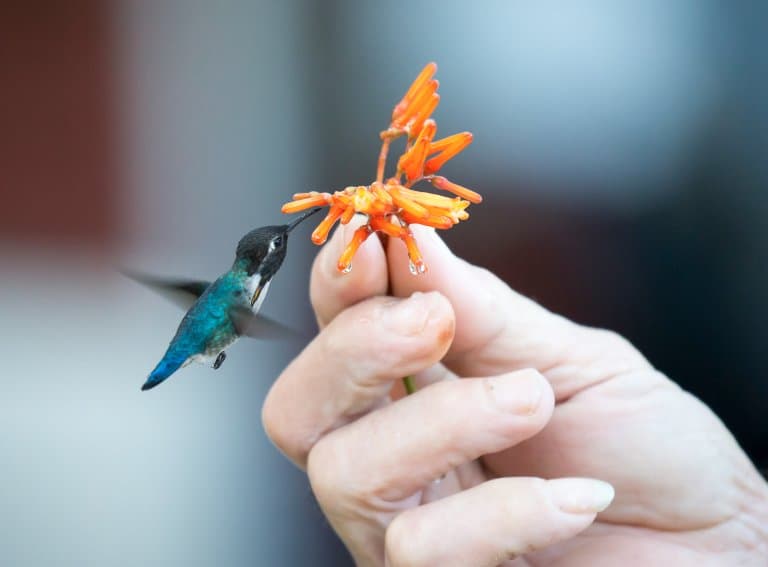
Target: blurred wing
{"type": "Point", "coordinates": [183, 293]}
{"type": "Point", "coordinates": [248, 324]}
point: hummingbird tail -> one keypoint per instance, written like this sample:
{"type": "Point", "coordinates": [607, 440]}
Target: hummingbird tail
{"type": "Point", "coordinates": [162, 372]}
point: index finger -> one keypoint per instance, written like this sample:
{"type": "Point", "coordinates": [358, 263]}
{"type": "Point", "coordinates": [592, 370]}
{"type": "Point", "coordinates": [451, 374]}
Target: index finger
{"type": "Point", "coordinates": [332, 291]}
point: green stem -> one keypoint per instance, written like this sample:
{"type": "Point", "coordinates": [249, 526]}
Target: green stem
{"type": "Point", "coordinates": [410, 385]}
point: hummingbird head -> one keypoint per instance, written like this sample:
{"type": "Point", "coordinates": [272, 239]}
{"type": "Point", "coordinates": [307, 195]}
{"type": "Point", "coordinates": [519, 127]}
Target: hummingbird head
{"type": "Point", "coordinates": [263, 249]}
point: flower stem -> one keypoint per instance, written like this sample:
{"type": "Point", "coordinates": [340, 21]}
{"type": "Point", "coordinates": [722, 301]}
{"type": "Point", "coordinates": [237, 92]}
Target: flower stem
{"type": "Point", "coordinates": [382, 159]}
{"type": "Point", "coordinates": [410, 385]}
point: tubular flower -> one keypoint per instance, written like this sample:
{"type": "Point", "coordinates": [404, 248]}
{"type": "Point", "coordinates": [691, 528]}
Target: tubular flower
{"type": "Point", "coordinates": [391, 204]}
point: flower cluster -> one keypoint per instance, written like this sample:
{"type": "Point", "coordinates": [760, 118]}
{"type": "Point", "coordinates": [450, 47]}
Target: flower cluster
{"type": "Point", "coordinates": [391, 205]}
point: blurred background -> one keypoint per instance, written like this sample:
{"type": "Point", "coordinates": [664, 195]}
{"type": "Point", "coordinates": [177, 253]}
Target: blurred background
{"type": "Point", "coordinates": [620, 147]}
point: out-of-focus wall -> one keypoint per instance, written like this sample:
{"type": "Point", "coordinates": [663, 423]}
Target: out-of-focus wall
{"type": "Point", "coordinates": [198, 111]}
{"type": "Point", "coordinates": [57, 124]}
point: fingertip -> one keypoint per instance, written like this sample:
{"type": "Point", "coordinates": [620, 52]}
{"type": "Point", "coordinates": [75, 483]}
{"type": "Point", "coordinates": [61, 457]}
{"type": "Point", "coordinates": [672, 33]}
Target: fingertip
{"type": "Point", "coordinates": [498, 520]}
{"type": "Point", "coordinates": [332, 291]}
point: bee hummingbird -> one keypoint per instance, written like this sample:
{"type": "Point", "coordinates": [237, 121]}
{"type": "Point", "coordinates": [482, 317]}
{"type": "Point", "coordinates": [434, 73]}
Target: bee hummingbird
{"type": "Point", "coordinates": [221, 312]}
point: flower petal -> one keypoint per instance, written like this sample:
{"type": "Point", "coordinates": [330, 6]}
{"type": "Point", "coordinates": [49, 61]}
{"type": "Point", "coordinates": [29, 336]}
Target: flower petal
{"type": "Point", "coordinates": [442, 183]}
{"type": "Point", "coordinates": [383, 224]}
{"type": "Point", "coordinates": [345, 260]}
{"type": "Point", "coordinates": [415, 258]}
{"type": "Point", "coordinates": [319, 199]}
{"type": "Point", "coordinates": [458, 143]}
{"type": "Point", "coordinates": [435, 221]}
{"type": "Point", "coordinates": [412, 162]}
{"type": "Point", "coordinates": [409, 206]}
{"type": "Point", "coordinates": [320, 234]}
{"type": "Point", "coordinates": [348, 213]}
{"type": "Point", "coordinates": [423, 99]}
{"type": "Point", "coordinates": [417, 122]}
{"type": "Point", "coordinates": [423, 77]}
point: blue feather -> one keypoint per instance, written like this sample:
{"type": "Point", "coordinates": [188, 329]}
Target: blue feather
{"type": "Point", "coordinates": [162, 371]}
{"type": "Point", "coordinates": [206, 329]}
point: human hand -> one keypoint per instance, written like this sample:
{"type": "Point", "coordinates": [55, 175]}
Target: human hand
{"type": "Point", "coordinates": [454, 474]}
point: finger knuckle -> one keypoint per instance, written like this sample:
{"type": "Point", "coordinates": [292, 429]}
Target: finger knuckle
{"type": "Point", "coordinates": [399, 545]}
{"type": "Point", "coordinates": [337, 483]}
{"type": "Point", "coordinates": [281, 427]}
{"type": "Point", "coordinates": [325, 476]}
{"type": "Point", "coordinates": [612, 338]}
{"type": "Point", "coordinates": [616, 343]}
{"type": "Point", "coordinates": [271, 423]}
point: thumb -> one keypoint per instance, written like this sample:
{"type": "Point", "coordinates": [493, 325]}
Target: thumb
{"type": "Point", "coordinates": [498, 330]}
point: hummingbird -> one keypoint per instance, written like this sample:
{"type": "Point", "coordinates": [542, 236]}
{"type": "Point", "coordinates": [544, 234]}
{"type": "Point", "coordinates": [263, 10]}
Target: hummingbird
{"type": "Point", "coordinates": [221, 312]}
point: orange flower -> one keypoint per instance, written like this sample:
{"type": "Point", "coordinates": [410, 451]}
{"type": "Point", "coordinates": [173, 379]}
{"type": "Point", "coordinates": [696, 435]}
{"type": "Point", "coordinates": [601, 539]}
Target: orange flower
{"type": "Point", "coordinates": [392, 205]}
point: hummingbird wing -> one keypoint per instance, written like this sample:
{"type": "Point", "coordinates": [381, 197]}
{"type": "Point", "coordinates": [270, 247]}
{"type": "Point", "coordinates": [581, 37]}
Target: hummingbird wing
{"type": "Point", "coordinates": [258, 326]}
{"type": "Point", "coordinates": [182, 292]}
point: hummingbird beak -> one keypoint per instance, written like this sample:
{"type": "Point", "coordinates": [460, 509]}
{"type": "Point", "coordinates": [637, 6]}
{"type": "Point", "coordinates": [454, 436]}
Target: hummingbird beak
{"type": "Point", "coordinates": [295, 222]}
{"type": "Point", "coordinates": [256, 294]}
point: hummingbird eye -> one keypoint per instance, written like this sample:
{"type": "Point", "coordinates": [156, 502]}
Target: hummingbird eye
{"type": "Point", "coordinates": [277, 242]}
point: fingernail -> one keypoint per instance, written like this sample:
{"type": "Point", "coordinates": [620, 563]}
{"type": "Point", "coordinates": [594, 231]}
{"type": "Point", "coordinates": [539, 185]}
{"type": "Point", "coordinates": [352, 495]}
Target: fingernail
{"type": "Point", "coordinates": [409, 316]}
{"type": "Point", "coordinates": [581, 495]}
{"type": "Point", "coordinates": [520, 393]}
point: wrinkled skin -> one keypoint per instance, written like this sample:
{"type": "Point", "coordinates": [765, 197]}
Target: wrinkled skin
{"type": "Point", "coordinates": [453, 475]}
